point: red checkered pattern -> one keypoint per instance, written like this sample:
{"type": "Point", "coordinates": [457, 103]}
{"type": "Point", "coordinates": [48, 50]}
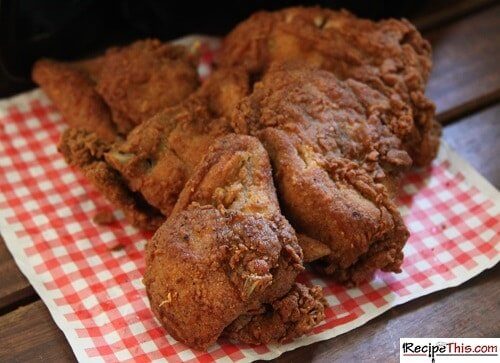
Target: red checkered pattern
{"type": "Point", "coordinates": [94, 290]}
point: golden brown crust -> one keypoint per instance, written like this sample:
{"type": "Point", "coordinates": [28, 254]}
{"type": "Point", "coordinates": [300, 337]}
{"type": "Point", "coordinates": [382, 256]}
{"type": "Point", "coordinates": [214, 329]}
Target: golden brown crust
{"type": "Point", "coordinates": [283, 320]}
{"type": "Point", "coordinates": [328, 116]}
{"type": "Point", "coordinates": [143, 78]}
{"type": "Point", "coordinates": [312, 249]}
{"type": "Point", "coordinates": [389, 55]}
{"type": "Point", "coordinates": [235, 175]}
{"type": "Point", "coordinates": [72, 91]}
{"type": "Point", "coordinates": [84, 151]}
{"type": "Point", "coordinates": [338, 203]}
{"type": "Point", "coordinates": [222, 252]}
{"type": "Point", "coordinates": [112, 93]}
{"type": "Point", "coordinates": [341, 113]}
{"type": "Point", "coordinates": [156, 159]}
{"type": "Point", "coordinates": [92, 67]}
{"type": "Point", "coordinates": [331, 151]}
{"type": "Point", "coordinates": [159, 155]}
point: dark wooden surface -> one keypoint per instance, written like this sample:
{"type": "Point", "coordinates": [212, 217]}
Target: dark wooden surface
{"type": "Point", "coordinates": [439, 12]}
{"type": "Point", "coordinates": [14, 286]}
{"type": "Point", "coordinates": [465, 84]}
{"type": "Point", "coordinates": [28, 334]}
{"type": "Point", "coordinates": [470, 310]}
{"type": "Point", "coordinates": [466, 74]}
{"type": "Point", "coordinates": [477, 138]}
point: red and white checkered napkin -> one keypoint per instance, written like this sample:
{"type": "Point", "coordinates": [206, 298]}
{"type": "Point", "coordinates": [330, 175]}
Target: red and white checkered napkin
{"type": "Point", "coordinates": [94, 290]}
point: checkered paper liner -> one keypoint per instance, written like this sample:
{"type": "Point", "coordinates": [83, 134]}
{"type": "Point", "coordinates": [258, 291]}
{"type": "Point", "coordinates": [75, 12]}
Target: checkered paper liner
{"type": "Point", "coordinates": [94, 290]}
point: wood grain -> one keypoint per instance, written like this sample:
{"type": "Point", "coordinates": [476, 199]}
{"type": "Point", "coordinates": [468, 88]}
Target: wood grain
{"type": "Point", "coordinates": [470, 310]}
{"type": "Point", "coordinates": [439, 12]}
{"type": "Point", "coordinates": [14, 286]}
{"type": "Point", "coordinates": [29, 334]}
{"type": "Point", "coordinates": [477, 139]}
{"type": "Point", "coordinates": [466, 58]}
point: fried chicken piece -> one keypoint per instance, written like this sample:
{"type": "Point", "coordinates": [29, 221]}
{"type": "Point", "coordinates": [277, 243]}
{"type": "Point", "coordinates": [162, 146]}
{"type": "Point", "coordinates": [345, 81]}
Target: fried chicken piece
{"type": "Point", "coordinates": [143, 78]}
{"type": "Point", "coordinates": [282, 320]}
{"type": "Point", "coordinates": [159, 155]}
{"type": "Point", "coordinates": [72, 91]}
{"type": "Point", "coordinates": [312, 249]}
{"type": "Point", "coordinates": [226, 251]}
{"type": "Point", "coordinates": [92, 67]}
{"type": "Point", "coordinates": [389, 55]}
{"type": "Point", "coordinates": [332, 150]}
{"type": "Point", "coordinates": [157, 158]}
{"type": "Point", "coordinates": [112, 93]}
{"type": "Point", "coordinates": [85, 151]}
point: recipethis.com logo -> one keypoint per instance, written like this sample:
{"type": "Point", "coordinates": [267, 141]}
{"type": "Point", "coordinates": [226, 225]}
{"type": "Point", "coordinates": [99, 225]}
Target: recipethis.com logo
{"type": "Point", "coordinates": [445, 350]}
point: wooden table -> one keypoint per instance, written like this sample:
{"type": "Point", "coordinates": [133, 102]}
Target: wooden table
{"type": "Point", "coordinates": [465, 85]}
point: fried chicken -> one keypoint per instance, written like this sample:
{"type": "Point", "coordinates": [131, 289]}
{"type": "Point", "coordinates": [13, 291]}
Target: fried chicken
{"type": "Point", "coordinates": [334, 103]}
{"type": "Point", "coordinates": [332, 151]}
{"type": "Point", "coordinates": [389, 55]}
{"type": "Point", "coordinates": [159, 155]}
{"type": "Point", "coordinates": [84, 150]}
{"type": "Point", "coordinates": [92, 67]}
{"type": "Point", "coordinates": [282, 320]}
{"type": "Point", "coordinates": [149, 169]}
{"type": "Point", "coordinates": [111, 94]}
{"type": "Point", "coordinates": [73, 92]}
{"type": "Point", "coordinates": [142, 79]}
{"type": "Point", "coordinates": [227, 259]}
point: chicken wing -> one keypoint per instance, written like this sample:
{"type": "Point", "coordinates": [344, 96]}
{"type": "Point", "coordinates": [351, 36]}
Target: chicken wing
{"type": "Point", "coordinates": [84, 150]}
{"type": "Point", "coordinates": [159, 155]}
{"type": "Point", "coordinates": [389, 55]}
{"type": "Point", "coordinates": [142, 79]}
{"type": "Point", "coordinates": [282, 320]}
{"type": "Point", "coordinates": [226, 258]}
{"type": "Point", "coordinates": [73, 92]}
{"type": "Point", "coordinates": [332, 150]}
{"type": "Point", "coordinates": [111, 94]}
{"type": "Point", "coordinates": [149, 169]}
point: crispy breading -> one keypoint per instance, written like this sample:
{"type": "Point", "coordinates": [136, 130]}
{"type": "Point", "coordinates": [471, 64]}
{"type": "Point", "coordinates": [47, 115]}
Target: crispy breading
{"type": "Point", "coordinates": [112, 93]}
{"type": "Point", "coordinates": [389, 55]}
{"type": "Point", "coordinates": [84, 151]}
{"type": "Point", "coordinates": [159, 155]}
{"type": "Point", "coordinates": [141, 79]}
{"type": "Point", "coordinates": [151, 166]}
{"type": "Point", "coordinates": [73, 93]}
{"type": "Point", "coordinates": [225, 251]}
{"type": "Point", "coordinates": [331, 150]}
{"type": "Point", "coordinates": [282, 320]}
{"type": "Point", "coordinates": [330, 105]}
{"type": "Point", "coordinates": [92, 67]}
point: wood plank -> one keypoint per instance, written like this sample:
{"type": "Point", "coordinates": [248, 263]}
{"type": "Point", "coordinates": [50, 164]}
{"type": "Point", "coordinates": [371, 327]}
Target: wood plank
{"type": "Point", "coordinates": [470, 310]}
{"type": "Point", "coordinates": [438, 12]}
{"type": "Point", "coordinates": [14, 286]}
{"type": "Point", "coordinates": [466, 62]}
{"type": "Point", "coordinates": [29, 334]}
{"type": "Point", "coordinates": [476, 139]}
